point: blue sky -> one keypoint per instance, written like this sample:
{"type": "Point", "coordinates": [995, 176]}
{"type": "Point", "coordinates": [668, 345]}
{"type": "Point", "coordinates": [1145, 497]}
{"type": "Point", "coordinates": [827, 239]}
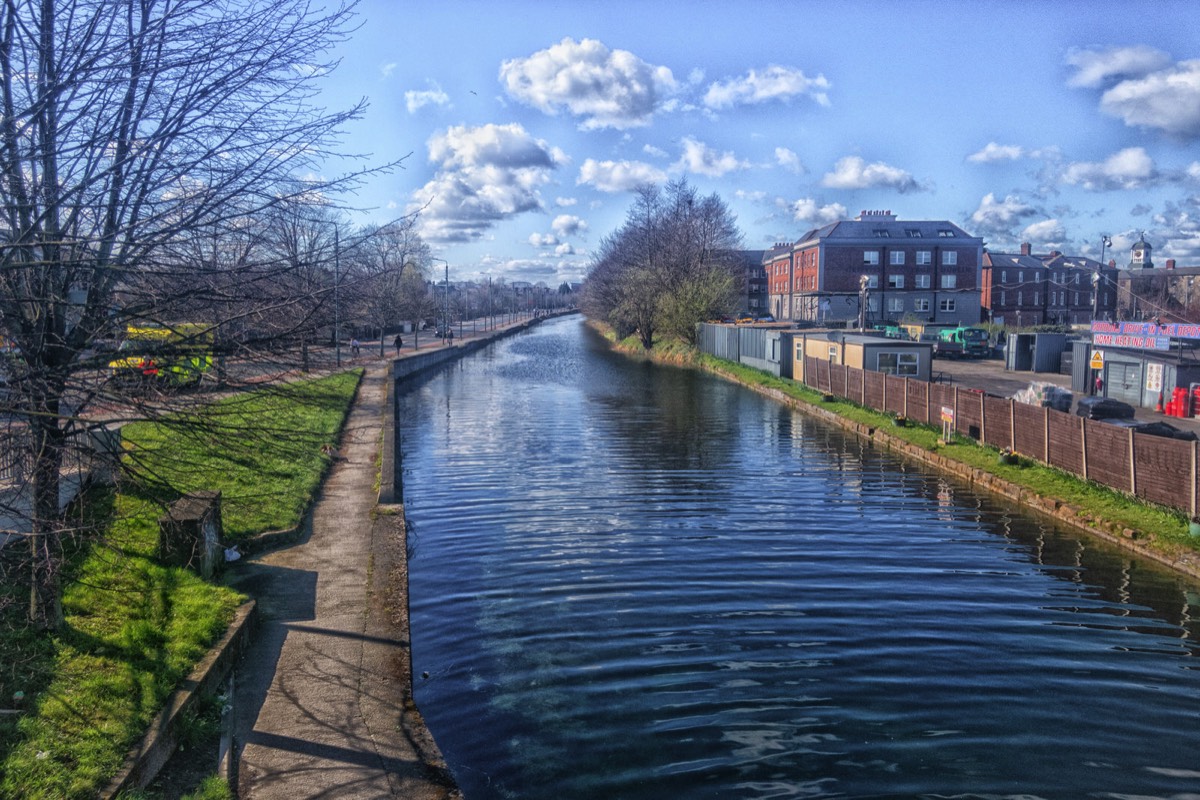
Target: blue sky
{"type": "Point", "coordinates": [526, 124]}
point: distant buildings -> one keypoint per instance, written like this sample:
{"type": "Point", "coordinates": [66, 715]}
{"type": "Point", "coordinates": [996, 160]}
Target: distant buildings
{"type": "Point", "coordinates": [894, 270]}
{"type": "Point", "coordinates": [1023, 289]}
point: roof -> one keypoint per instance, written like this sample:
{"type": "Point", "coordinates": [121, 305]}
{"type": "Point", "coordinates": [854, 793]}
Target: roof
{"type": "Point", "coordinates": [890, 229]}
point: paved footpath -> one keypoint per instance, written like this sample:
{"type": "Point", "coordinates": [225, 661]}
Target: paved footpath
{"type": "Point", "coordinates": [323, 705]}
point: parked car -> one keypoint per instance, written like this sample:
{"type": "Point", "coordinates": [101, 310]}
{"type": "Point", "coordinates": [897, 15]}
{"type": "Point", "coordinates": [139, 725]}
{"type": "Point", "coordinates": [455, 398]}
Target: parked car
{"type": "Point", "coordinates": [1164, 429]}
{"type": "Point", "coordinates": [1103, 408]}
{"type": "Point", "coordinates": [744, 317]}
{"type": "Point", "coordinates": [766, 318]}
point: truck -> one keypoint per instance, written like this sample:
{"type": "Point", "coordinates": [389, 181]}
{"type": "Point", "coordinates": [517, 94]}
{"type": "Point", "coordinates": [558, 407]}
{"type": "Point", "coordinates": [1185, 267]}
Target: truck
{"type": "Point", "coordinates": [963, 342]}
{"type": "Point", "coordinates": [172, 356]}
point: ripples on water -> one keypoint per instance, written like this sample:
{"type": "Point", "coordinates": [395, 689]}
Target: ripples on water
{"type": "Point", "coordinates": [635, 582]}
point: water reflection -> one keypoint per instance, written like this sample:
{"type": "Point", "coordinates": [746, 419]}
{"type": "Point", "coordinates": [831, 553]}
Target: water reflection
{"type": "Point", "coordinates": [640, 582]}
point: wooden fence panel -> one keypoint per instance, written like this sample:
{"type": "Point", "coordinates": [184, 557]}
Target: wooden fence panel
{"type": "Point", "coordinates": [1066, 442]}
{"type": "Point", "coordinates": [997, 428]}
{"type": "Point", "coordinates": [1029, 431]}
{"type": "Point", "coordinates": [969, 419]}
{"type": "Point", "coordinates": [1164, 470]}
{"type": "Point", "coordinates": [940, 395]}
{"type": "Point", "coordinates": [874, 390]}
{"type": "Point", "coordinates": [895, 394]}
{"type": "Point", "coordinates": [1107, 454]}
{"type": "Point", "coordinates": [918, 401]}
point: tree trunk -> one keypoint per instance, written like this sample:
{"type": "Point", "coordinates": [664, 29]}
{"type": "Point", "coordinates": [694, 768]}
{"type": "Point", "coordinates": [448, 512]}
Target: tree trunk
{"type": "Point", "coordinates": [45, 543]}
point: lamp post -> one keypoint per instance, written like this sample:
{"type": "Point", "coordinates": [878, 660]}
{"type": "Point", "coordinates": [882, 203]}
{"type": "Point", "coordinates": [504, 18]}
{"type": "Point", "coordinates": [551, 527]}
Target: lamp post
{"type": "Point", "coordinates": [864, 283]}
{"type": "Point", "coordinates": [1095, 295]}
{"type": "Point", "coordinates": [445, 298]}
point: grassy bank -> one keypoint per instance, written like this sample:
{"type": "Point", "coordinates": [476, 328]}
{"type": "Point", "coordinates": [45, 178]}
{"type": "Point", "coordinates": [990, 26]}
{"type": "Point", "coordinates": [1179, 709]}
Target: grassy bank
{"type": "Point", "coordinates": [134, 628]}
{"type": "Point", "coordinates": [1160, 529]}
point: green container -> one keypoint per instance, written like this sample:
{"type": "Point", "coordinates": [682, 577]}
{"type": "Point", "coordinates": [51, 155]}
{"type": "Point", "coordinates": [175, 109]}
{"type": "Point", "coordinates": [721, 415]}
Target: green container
{"type": "Point", "coordinates": [1194, 528]}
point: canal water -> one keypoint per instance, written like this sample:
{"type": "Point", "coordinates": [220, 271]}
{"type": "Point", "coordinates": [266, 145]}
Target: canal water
{"type": "Point", "coordinates": [635, 581]}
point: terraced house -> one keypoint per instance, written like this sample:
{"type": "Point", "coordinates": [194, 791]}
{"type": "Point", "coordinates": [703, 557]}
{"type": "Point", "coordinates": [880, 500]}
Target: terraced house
{"type": "Point", "coordinates": [898, 270]}
{"type": "Point", "coordinates": [1021, 289]}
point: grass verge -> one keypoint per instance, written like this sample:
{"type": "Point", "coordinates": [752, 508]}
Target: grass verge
{"type": "Point", "coordinates": [133, 627]}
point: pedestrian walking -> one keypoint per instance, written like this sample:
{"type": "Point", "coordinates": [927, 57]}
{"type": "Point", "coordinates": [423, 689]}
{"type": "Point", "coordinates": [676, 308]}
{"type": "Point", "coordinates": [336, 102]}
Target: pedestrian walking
{"type": "Point", "coordinates": [354, 346]}
{"type": "Point", "coordinates": [1099, 383]}
{"type": "Point", "coordinates": [399, 343]}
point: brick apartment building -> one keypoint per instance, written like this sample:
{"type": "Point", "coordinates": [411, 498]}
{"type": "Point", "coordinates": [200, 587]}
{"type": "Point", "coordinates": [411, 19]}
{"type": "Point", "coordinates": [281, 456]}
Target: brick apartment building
{"type": "Point", "coordinates": [1023, 289]}
{"type": "Point", "coordinates": [926, 270]}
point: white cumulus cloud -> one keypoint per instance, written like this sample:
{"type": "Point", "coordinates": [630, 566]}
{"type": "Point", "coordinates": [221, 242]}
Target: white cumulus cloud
{"type": "Point", "coordinates": [606, 88]}
{"type": "Point", "coordinates": [433, 96]}
{"type": "Point", "coordinates": [1131, 168]}
{"type": "Point", "coordinates": [809, 210]}
{"type": "Point", "coordinates": [568, 225]}
{"type": "Point", "coordinates": [484, 175]}
{"type": "Point", "coordinates": [997, 152]}
{"type": "Point", "coordinates": [701, 159]}
{"type": "Point", "coordinates": [1093, 68]}
{"type": "Point", "coordinates": [619, 176]}
{"type": "Point", "coordinates": [772, 83]}
{"type": "Point", "coordinates": [998, 217]}
{"type": "Point", "coordinates": [788, 160]}
{"type": "Point", "coordinates": [1047, 233]}
{"type": "Point", "coordinates": [852, 172]}
{"type": "Point", "coordinates": [1168, 99]}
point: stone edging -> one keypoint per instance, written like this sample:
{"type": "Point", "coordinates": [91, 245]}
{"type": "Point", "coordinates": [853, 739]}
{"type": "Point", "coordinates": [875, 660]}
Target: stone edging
{"type": "Point", "coordinates": [162, 737]}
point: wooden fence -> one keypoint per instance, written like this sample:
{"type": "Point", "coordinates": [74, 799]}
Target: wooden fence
{"type": "Point", "coordinates": [1153, 468]}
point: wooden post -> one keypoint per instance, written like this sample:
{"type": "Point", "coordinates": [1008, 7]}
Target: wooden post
{"type": "Point", "coordinates": [905, 411]}
{"type": "Point", "coordinates": [1132, 466]}
{"type": "Point", "coordinates": [1083, 445]}
{"type": "Point", "coordinates": [1012, 425]}
{"type": "Point", "coordinates": [1195, 445]}
{"type": "Point", "coordinates": [1045, 433]}
{"type": "Point", "coordinates": [885, 383]}
{"type": "Point", "coordinates": [956, 414]}
{"type": "Point", "coordinates": [982, 418]}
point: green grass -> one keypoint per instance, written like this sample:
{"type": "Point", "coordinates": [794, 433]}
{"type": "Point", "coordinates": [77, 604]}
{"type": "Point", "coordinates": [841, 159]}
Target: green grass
{"type": "Point", "coordinates": [133, 627]}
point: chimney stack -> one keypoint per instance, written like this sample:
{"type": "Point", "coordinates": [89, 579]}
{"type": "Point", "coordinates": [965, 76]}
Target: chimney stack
{"type": "Point", "coordinates": [1026, 248]}
{"type": "Point", "coordinates": [1170, 263]}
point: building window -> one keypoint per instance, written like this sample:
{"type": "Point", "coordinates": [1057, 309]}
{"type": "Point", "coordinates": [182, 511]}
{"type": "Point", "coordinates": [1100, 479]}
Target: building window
{"type": "Point", "coordinates": [1004, 276]}
{"type": "Point", "coordinates": [946, 304]}
{"type": "Point", "coordinates": [946, 233]}
{"type": "Point", "coordinates": [921, 304]}
{"type": "Point", "coordinates": [896, 258]}
{"type": "Point", "coordinates": [921, 281]}
{"type": "Point", "coordinates": [1020, 298]}
{"type": "Point", "coordinates": [1021, 276]}
{"type": "Point", "coordinates": [882, 233]}
{"type": "Point", "coordinates": [949, 281]}
{"type": "Point", "coordinates": [897, 363]}
{"type": "Point", "coordinates": [872, 281]}
{"type": "Point", "coordinates": [949, 258]}
{"type": "Point", "coordinates": [871, 257]}
{"type": "Point", "coordinates": [924, 257]}
{"type": "Point", "coordinates": [1077, 298]}
{"type": "Point", "coordinates": [895, 281]}
{"type": "Point", "coordinates": [1035, 299]}
{"type": "Point", "coordinates": [1003, 298]}
{"type": "Point", "coordinates": [896, 305]}
{"type": "Point", "coordinates": [912, 233]}
{"type": "Point", "coordinates": [873, 304]}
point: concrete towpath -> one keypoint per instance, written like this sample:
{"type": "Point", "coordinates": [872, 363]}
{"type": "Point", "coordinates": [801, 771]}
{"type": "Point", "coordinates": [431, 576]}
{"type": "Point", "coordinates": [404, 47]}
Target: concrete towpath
{"type": "Point", "coordinates": [323, 704]}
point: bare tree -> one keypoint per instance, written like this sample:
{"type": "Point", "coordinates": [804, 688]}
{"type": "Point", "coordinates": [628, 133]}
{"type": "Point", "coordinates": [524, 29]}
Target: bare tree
{"type": "Point", "coordinates": [133, 131]}
{"type": "Point", "coordinates": [668, 267]}
{"type": "Point", "coordinates": [389, 268]}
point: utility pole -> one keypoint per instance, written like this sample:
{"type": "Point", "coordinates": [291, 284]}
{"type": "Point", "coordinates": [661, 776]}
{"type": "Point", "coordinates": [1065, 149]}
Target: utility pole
{"type": "Point", "coordinates": [337, 333]}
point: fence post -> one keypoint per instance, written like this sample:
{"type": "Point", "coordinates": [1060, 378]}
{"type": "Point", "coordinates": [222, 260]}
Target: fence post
{"type": "Point", "coordinates": [1083, 445]}
{"type": "Point", "coordinates": [885, 383]}
{"type": "Point", "coordinates": [1195, 445]}
{"type": "Point", "coordinates": [1045, 433]}
{"type": "Point", "coordinates": [1132, 466]}
{"type": "Point", "coordinates": [905, 411]}
{"type": "Point", "coordinates": [1012, 425]}
{"type": "Point", "coordinates": [982, 418]}
{"type": "Point", "coordinates": [956, 414]}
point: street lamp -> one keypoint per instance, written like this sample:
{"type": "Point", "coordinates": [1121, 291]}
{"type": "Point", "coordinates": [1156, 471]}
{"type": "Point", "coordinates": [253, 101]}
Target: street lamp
{"type": "Point", "coordinates": [864, 283]}
{"type": "Point", "coordinates": [1095, 295]}
{"type": "Point", "coordinates": [445, 298]}
{"type": "Point", "coordinates": [337, 339]}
